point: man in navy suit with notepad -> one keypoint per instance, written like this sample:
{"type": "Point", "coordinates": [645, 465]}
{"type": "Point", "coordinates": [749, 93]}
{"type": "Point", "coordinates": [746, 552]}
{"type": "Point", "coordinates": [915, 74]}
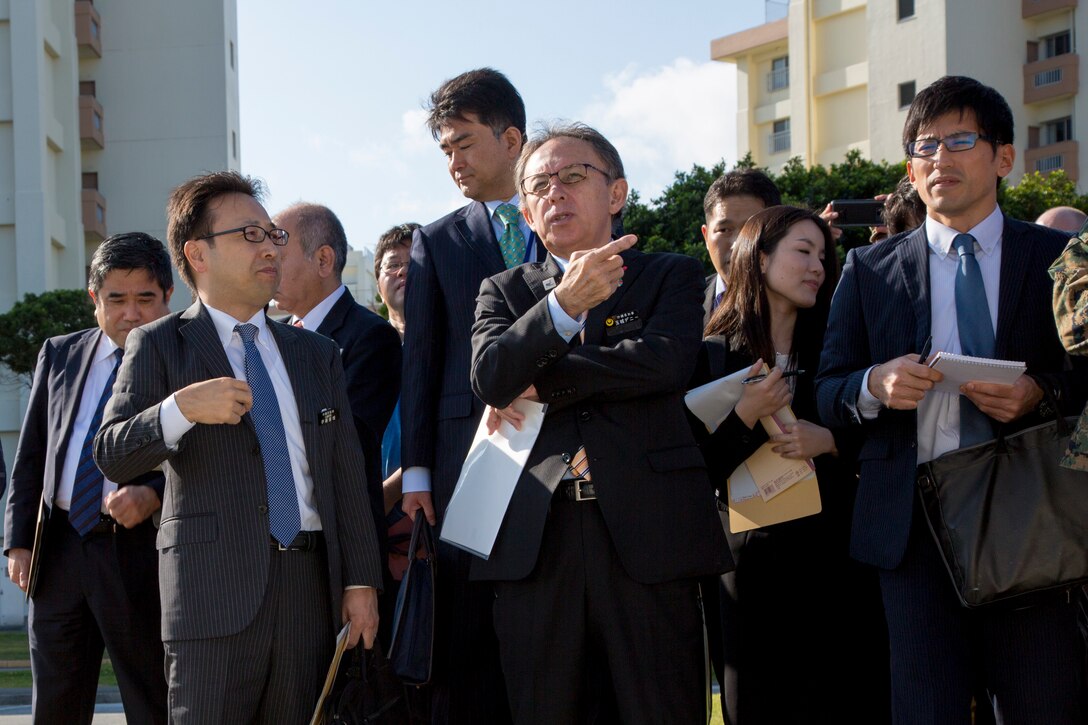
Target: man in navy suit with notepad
{"type": "Point", "coordinates": [975, 281]}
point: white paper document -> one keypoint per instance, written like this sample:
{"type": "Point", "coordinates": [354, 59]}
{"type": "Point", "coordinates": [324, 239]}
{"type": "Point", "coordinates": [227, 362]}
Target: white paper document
{"type": "Point", "coordinates": [712, 403]}
{"type": "Point", "coordinates": [960, 369]}
{"type": "Point", "coordinates": [488, 477]}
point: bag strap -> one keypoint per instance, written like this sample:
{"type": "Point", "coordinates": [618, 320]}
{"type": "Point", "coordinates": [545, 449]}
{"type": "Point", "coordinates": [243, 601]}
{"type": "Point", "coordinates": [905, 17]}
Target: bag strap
{"type": "Point", "coordinates": [422, 534]}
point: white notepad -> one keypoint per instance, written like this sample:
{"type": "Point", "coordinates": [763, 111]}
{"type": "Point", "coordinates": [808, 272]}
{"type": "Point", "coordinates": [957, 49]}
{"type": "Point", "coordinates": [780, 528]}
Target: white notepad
{"type": "Point", "coordinates": [960, 369]}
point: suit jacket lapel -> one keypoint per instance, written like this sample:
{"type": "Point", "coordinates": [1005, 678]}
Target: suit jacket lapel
{"type": "Point", "coordinates": [1014, 260]}
{"type": "Point", "coordinates": [536, 276]}
{"type": "Point", "coordinates": [199, 331]}
{"type": "Point", "coordinates": [475, 228]}
{"type": "Point", "coordinates": [594, 328]}
{"type": "Point", "coordinates": [76, 369]}
{"type": "Point", "coordinates": [914, 262]}
{"type": "Point", "coordinates": [335, 319]}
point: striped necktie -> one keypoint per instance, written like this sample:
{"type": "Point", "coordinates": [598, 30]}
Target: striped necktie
{"type": "Point", "coordinates": [512, 241]}
{"type": "Point", "coordinates": [86, 506]}
{"type": "Point", "coordinates": [284, 519]}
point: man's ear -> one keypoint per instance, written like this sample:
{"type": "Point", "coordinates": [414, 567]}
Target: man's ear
{"type": "Point", "coordinates": [617, 195]}
{"type": "Point", "coordinates": [1006, 158]}
{"type": "Point", "coordinates": [196, 252]}
{"type": "Point", "coordinates": [513, 140]}
{"type": "Point", "coordinates": [326, 260]}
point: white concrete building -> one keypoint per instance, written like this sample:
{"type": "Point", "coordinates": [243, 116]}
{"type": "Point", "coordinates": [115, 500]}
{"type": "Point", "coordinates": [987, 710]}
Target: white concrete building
{"type": "Point", "coordinates": [105, 105]}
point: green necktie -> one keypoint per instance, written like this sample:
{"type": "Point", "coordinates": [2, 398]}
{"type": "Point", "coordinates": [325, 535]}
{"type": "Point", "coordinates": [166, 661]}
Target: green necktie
{"type": "Point", "coordinates": [512, 241]}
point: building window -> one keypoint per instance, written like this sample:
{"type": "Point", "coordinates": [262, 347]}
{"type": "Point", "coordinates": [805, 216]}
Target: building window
{"type": "Point", "coordinates": [232, 55]}
{"type": "Point", "coordinates": [94, 29]}
{"type": "Point", "coordinates": [1057, 44]}
{"type": "Point", "coordinates": [779, 77]}
{"type": "Point", "coordinates": [906, 9]}
{"type": "Point", "coordinates": [99, 214]}
{"type": "Point", "coordinates": [1057, 131]}
{"type": "Point", "coordinates": [780, 136]}
{"type": "Point", "coordinates": [906, 93]}
{"type": "Point", "coordinates": [86, 88]}
{"type": "Point", "coordinates": [97, 118]}
{"type": "Point", "coordinates": [90, 180]}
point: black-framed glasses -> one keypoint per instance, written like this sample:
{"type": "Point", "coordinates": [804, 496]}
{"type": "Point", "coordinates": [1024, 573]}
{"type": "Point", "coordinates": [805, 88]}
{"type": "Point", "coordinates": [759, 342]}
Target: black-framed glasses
{"type": "Point", "coordinates": [538, 184]}
{"type": "Point", "coordinates": [255, 234]}
{"type": "Point", "coordinates": [963, 141]}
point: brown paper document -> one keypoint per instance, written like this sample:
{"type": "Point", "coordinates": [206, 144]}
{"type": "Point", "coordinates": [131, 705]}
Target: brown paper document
{"type": "Point", "coordinates": [330, 678]}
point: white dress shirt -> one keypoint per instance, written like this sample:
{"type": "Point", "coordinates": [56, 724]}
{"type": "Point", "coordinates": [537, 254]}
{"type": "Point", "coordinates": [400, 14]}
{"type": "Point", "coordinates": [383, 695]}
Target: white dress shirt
{"type": "Point", "coordinates": [939, 413]}
{"type": "Point", "coordinates": [313, 319]}
{"type": "Point", "coordinates": [175, 425]}
{"type": "Point", "coordinates": [101, 366]}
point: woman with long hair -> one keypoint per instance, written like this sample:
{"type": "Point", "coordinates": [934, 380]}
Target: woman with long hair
{"type": "Point", "coordinates": [795, 600]}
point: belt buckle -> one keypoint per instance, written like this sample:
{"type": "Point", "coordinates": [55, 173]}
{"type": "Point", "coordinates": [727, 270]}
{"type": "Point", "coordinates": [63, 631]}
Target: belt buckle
{"type": "Point", "coordinates": [281, 547]}
{"type": "Point", "coordinates": [578, 491]}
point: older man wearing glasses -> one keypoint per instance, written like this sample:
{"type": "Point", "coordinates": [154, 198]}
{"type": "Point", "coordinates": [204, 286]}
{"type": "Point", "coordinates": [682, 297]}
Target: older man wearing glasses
{"type": "Point", "coordinates": [613, 517]}
{"type": "Point", "coordinates": [267, 544]}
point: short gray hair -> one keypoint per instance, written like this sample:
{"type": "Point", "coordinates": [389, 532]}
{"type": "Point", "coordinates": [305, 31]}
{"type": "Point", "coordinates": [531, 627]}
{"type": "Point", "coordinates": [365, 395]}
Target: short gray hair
{"type": "Point", "coordinates": [316, 226]}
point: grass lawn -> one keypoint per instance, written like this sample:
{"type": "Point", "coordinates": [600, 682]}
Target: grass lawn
{"type": "Point", "coordinates": [14, 647]}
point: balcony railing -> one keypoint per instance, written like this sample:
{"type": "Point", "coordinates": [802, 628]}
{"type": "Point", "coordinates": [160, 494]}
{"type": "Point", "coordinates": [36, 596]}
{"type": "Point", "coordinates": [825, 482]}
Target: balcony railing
{"type": "Point", "coordinates": [778, 79]}
{"type": "Point", "coordinates": [1051, 157]}
{"type": "Point", "coordinates": [779, 142]}
{"type": "Point", "coordinates": [1051, 78]}
{"type": "Point", "coordinates": [94, 216]}
{"type": "Point", "coordinates": [88, 30]}
{"type": "Point", "coordinates": [91, 132]}
{"type": "Point", "coordinates": [1031, 8]}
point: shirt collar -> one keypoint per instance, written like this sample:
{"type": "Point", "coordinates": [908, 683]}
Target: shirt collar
{"type": "Point", "coordinates": [719, 285]}
{"type": "Point", "coordinates": [105, 348]}
{"type": "Point", "coordinates": [492, 206]}
{"type": "Point", "coordinates": [987, 233]}
{"type": "Point", "coordinates": [562, 263]}
{"type": "Point", "coordinates": [313, 319]}
{"type": "Point", "coordinates": [224, 324]}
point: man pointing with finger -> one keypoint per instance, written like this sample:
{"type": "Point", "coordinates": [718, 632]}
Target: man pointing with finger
{"type": "Point", "coordinates": [266, 544]}
{"type": "Point", "coordinates": [596, 598]}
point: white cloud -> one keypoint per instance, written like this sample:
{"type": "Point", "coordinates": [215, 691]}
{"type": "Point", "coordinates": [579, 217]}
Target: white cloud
{"type": "Point", "coordinates": [666, 119]}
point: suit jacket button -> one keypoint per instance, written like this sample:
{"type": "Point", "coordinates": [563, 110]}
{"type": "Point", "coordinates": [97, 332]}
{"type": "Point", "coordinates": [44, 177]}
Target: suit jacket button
{"type": "Point", "coordinates": [565, 458]}
{"type": "Point", "coordinates": [553, 354]}
{"type": "Point", "coordinates": [584, 416]}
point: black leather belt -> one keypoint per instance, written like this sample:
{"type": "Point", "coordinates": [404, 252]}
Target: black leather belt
{"type": "Point", "coordinates": [577, 489]}
{"type": "Point", "coordinates": [106, 524]}
{"type": "Point", "coordinates": [305, 541]}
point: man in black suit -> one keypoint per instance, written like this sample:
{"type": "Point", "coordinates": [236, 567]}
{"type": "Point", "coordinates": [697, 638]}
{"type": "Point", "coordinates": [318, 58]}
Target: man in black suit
{"type": "Point", "coordinates": [478, 119]}
{"type": "Point", "coordinates": [267, 545]}
{"type": "Point", "coordinates": [97, 574]}
{"type": "Point", "coordinates": [892, 296]}
{"type": "Point", "coordinates": [596, 584]}
{"type": "Point", "coordinates": [312, 292]}
{"type": "Point", "coordinates": [731, 199]}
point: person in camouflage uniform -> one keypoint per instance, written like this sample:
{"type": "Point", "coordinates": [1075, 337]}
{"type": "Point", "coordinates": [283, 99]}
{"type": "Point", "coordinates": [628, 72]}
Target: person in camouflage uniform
{"type": "Point", "coordinates": [1070, 275]}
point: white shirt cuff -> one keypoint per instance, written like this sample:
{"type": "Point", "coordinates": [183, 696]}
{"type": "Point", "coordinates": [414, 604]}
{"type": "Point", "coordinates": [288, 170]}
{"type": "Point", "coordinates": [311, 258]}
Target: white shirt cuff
{"type": "Point", "coordinates": [174, 423]}
{"type": "Point", "coordinates": [565, 325]}
{"type": "Point", "coordinates": [868, 406]}
{"type": "Point", "coordinates": [416, 479]}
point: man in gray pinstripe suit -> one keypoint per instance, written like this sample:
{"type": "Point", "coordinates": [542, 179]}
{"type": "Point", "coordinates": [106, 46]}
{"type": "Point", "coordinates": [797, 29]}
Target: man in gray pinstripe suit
{"type": "Point", "coordinates": [248, 619]}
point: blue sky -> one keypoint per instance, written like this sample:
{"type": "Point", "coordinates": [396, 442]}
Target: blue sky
{"type": "Point", "coordinates": [331, 91]}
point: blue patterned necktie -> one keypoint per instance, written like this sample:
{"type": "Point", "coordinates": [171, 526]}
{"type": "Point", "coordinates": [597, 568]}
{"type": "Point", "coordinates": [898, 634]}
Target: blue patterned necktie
{"type": "Point", "coordinates": [512, 241]}
{"type": "Point", "coordinates": [284, 520]}
{"type": "Point", "coordinates": [976, 332]}
{"type": "Point", "coordinates": [717, 300]}
{"type": "Point", "coordinates": [86, 505]}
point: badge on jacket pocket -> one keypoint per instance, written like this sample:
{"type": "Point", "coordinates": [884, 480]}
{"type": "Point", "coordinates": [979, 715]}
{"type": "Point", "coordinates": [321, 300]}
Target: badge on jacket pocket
{"type": "Point", "coordinates": [327, 415]}
{"type": "Point", "coordinates": [622, 322]}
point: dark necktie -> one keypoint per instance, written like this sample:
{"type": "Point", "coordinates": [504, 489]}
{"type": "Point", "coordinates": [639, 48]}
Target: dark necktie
{"type": "Point", "coordinates": [284, 520]}
{"type": "Point", "coordinates": [512, 241]}
{"type": "Point", "coordinates": [976, 333]}
{"type": "Point", "coordinates": [86, 505]}
{"type": "Point", "coordinates": [717, 300]}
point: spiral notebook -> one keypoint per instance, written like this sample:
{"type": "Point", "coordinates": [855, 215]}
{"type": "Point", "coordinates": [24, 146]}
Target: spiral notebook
{"type": "Point", "coordinates": [960, 369]}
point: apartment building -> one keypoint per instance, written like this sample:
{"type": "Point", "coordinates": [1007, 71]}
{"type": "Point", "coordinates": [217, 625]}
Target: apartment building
{"type": "Point", "coordinates": [105, 105]}
{"type": "Point", "coordinates": [836, 75]}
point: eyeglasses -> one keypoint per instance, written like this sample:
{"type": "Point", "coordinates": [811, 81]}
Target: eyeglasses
{"type": "Point", "coordinates": [255, 234]}
{"type": "Point", "coordinates": [393, 267]}
{"type": "Point", "coordinates": [538, 184]}
{"type": "Point", "coordinates": [964, 141]}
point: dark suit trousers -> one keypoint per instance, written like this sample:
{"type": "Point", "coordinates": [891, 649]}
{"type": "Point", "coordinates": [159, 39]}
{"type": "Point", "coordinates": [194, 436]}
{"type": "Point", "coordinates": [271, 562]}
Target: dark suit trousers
{"type": "Point", "coordinates": [270, 672]}
{"type": "Point", "coordinates": [80, 605]}
{"type": "Point", "coordinates": [1031, 659]}
{"type": "Point", "coordinates": [578, 632]}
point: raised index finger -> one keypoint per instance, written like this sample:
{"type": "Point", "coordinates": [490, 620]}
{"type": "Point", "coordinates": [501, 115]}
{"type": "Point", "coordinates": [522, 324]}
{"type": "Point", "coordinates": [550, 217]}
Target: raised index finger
{"type": "Point", "coordinates": [617, 245]}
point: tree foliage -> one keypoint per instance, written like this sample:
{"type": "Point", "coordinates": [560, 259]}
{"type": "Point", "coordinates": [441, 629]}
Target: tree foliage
{"type": "Point", "coordinates": [671, 222]}
{"type": "Point", "coordinates": [30, 322]}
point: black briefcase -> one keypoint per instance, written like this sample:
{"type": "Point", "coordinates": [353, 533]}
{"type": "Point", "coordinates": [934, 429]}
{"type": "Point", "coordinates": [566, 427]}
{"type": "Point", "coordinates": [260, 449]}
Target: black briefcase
{"type": "Point", "coordinates": [366, 691]}
{"type": "Point", "coordinates": [1010, 521]}
{"type": "Point", "coordinates": [411, 646]}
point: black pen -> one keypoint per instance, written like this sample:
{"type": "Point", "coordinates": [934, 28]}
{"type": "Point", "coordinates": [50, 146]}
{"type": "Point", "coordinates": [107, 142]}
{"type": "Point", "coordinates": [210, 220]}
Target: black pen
{"type": "Point", "coordinates": [763, 376]}
{"type": "Point", "coordinates": [925, 350]}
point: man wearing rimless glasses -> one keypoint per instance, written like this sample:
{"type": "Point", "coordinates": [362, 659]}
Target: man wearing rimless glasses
{"type": "Point", "coordinates": [266, 543]}
{"type": "Point", "coordinates": [975, 282]}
